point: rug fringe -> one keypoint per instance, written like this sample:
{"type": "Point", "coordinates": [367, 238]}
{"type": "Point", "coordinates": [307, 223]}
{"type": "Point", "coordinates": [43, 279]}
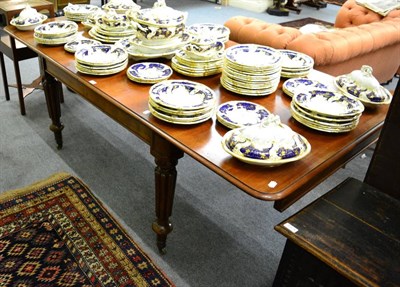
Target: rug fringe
{"type": "Point", "coordinates": [12, 194]}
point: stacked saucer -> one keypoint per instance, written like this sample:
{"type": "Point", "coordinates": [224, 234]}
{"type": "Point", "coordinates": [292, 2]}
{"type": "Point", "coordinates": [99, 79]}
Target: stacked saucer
{"type": "Point", "coordinates": [101, 59]}
{"type": "Point", "coordinates": [111, 27]}
{"type": "Point", "coordinates": [251, 70]}
{"type": "Point", "coordinates": [181, 102]}
{"type": "Point", "coordinates": [139, 50]}
{"type": "Point", "coordinates": [79, 12]}
{"type": "Point", "coordinates": [326, 110]}
{"type": "Point", "coordinates": [55, 33]}
{"type": "Point", "coordinates": [148, 72]}
{"type": "Point", "coordinates": [199, 58]}
{"type": "Point", "coordinates": [236, 114]}
{"type": "Point", "coordinates": [295, 64]}
{"type": "Point", "coordinates": [293, 85]}
{"type": "Point", "coordinates": [74, 45]}
{"type": "Point", "coordinates": [209, 30]}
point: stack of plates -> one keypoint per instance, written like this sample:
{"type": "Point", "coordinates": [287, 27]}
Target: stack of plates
{"type": "Point", "coordinates": [101, 59]}
{"type": "Point", "coordinates": [138, 50]}
{"type": "Point", "coordinates": [294, 85]}
{"type": "Point", "coordinates": [236, 114]}
{"type": "Point", "coordinates": [295, 64]}
{"type": "Point", "coordinates": [107, 34]}
{"type": "Point", "coordinates": [148, 72]}
{"type": "Point", "coordinates": [186, 65]}
{"type": "Point", "coordinates": [251, 70]}
{"type": "Point", "coordinates": [79, 12]}
{"type": "Point", "coordinates": [326, 111]}
{"type": "Point", "coordinates": [55, 33]}
{"type": "Point", "coordinates": [181, 102]}
{"type": "Point", "coordinates": [209, 30]}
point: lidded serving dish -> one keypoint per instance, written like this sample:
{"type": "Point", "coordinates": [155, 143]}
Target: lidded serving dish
{"type": "Point", "coordinates": [363, 85]}
{"type": "Point", "coordinates": [28, 19]}
{"type": "Point", "coordinates": [158, 24]}
{"type": "Point", "coordinates": [270, 143]}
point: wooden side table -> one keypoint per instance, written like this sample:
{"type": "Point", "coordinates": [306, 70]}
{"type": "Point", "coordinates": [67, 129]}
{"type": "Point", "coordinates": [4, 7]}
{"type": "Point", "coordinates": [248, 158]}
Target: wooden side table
{"type": "Point", "coordinates": [348, 237]}
{"type": "Point", "coordinates": [15, 50]}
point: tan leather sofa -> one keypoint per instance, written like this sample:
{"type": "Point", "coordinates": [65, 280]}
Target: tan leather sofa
{"type": "Point", "coordinates": [359, 37]}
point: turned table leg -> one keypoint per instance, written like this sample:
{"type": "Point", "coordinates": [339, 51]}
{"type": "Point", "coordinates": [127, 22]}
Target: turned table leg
{"type": "Point", "coordinates": [53, 92]}
{"type": "Point", "coordinates": [166, 158]}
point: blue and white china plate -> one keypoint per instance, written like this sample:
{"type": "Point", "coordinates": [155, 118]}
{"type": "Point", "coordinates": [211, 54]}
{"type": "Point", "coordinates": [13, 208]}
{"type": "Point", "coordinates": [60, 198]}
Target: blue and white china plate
{"type": "Point", "coordinates": [29, 23]}
{"type": "Point", "coordinates": [149, 72]}
{"type": "Point", "coordinates": [74, 45]}
{"type": "Point", "coordinates": [328, 102]}
{"type": "Point", "coordinates": [292, 60]}
{"type": "Point", "coordinates": [182, 94]}
{"type": "Point", "coordinates": [56, 29]}
{"type": "Point", "coordinates": [209, 30]}
{"type": "Point", "coordinates": [290, 86]}
{"type": "Point", "coordinates": [253, 56]}
{"type": "Point", "coordinates": [369, 98]}
{"type": "Point", "coordinates": [235, 114]}
{"type": "Point", "coordinates": [79, 12]}
{"type": "Point", "coordinates": [101, 55]}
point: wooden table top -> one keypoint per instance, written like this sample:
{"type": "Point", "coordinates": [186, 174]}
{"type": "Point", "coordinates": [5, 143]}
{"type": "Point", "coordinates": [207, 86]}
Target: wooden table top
{"type": "Point", "coordinates": [203, 141]}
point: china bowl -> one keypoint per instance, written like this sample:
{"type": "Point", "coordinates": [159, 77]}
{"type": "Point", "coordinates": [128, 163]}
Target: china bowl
{"type": "Point", "coordinates": [111, 21]}
{"type": "Point", "coordinates": [363, 85]}
{"type": "Point", "coordinates": [28, 19]}
{"type": "Point", "coordinates": [200, 48]}
{"type": "Point", "coordinates": [270, 143]}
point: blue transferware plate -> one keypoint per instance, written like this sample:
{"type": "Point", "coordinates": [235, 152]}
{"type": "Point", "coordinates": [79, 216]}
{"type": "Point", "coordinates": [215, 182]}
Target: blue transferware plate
{"type": "Point", "coordinates": [149, 72]}
{"type": "Point", "coordinates": [254, 56]}
{"type": "Point", "coordinates": [102, 55]}
{"type": "Point", "coordinates": [209, 30]}
{"type": "Point", "coordinates": [80, 9]}
{"type": "Point", "coordinates": [290, 86]}
{"type": "Point", "coordinates": [235, 114]}
{"type": "Point", "coordinates": [76, 44]}
{"type": "Point", "coordinates": [182, 94]}
{"type": "Point", "coordinates": [56, 29]}
{"type": "Point", "coordinates": [292, 60]}
{"type": "Point", "coordinates": [329, 103]}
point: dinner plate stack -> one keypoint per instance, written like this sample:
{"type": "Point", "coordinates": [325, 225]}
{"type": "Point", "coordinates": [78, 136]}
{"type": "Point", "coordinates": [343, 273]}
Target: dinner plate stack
{"type": "Point", "coordinates": [251, 70]}
{"type": "Point", "coordinates": [79, 12]}
{"type": "Point", "coordinates": [101, 60]}
{"type": "Point", "coordinates": [236, 114]}
{"type": "Point", "coordinates": [55, 33]}
{"type": "Point", "coordinates": [326, 110]}
{"type": "Point", "coordinates": [293, 85]}
{"type": "Point", "coordinates": [182, 102]}
{"type": "Point", "coordinates": [189, 66]}
{"type": "Point", "coordinates": [295, 64]}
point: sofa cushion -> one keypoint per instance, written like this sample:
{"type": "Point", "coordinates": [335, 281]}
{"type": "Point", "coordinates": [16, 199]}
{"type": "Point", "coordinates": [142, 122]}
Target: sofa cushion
{"type": "Point", "coordinates": [251, 30]}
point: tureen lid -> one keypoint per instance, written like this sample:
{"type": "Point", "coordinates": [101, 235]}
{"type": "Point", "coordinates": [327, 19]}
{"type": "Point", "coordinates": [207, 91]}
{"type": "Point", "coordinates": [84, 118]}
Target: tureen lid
{"type": "Point", "coordinates": [362, 84]}
{"type": "Point", "coordinates": [27, 12]}
{"type": "Point", "coordinates": [161, 15]}
{"type": "Point", "coordinates": [270, 141]}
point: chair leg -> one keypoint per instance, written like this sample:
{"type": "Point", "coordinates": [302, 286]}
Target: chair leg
{"type": "Point", "coordinates": [19, 88]}
{"type": "Point", "coordinates": [4, 74]}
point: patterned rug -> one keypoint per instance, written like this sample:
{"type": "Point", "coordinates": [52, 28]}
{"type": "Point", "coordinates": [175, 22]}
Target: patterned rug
{"type": "Point", "coordinates": [301, 22]}
{"type": "Point", "coordinates": [56, 233]}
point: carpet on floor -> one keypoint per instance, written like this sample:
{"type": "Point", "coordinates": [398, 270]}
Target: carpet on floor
{"type": "Point", "coordinates": [301, 22]}
{"type": "Point", "coordinates": [57, 233]}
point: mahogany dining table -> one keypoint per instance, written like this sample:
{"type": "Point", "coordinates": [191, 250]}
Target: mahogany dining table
{"type": "Point", "coordinates": [127, 103]}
